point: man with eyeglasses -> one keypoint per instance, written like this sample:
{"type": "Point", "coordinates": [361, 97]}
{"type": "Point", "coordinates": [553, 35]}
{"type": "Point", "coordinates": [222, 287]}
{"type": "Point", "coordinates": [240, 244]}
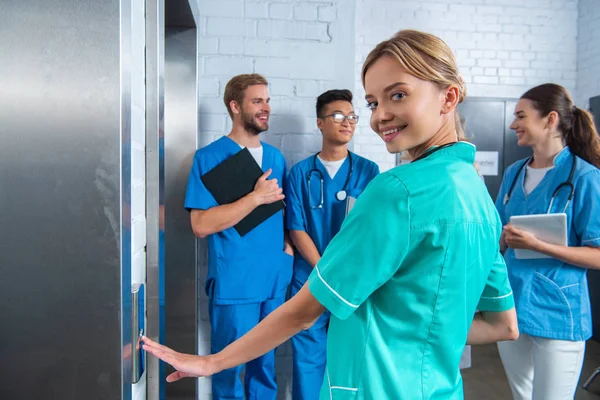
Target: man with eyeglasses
{"type": "Point", "coordinates": [317, 191]}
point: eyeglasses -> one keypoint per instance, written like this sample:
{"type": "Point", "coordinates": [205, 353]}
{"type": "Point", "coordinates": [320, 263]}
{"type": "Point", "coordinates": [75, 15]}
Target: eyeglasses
{"type": "Point", "coordinates": [339, 118]}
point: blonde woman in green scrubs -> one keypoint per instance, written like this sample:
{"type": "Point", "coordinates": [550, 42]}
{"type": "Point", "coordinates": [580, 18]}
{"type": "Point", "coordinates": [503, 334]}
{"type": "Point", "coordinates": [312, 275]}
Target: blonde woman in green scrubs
{"type": "Point", "coordinates": [416, 257]}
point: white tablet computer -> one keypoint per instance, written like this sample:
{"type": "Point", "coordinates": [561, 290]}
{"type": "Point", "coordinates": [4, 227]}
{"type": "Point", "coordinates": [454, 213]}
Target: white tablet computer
{"type": "Point", "coordinates": [550, 228]}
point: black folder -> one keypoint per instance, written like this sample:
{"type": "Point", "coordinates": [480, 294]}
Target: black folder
{"type": "Point", "coordinates": [233, 179]}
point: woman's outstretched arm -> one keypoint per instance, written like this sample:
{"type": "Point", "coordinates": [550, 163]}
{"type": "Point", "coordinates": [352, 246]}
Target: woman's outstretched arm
{"type": "Point", "coordinates": [298, 313]}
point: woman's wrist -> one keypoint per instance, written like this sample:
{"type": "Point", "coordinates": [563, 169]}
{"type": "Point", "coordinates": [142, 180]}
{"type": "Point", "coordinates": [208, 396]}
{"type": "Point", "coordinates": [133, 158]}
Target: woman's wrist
{"type": "Point", "coordinates": [215, 363]}
{"type": "Point", "coordinates": [542, 247]}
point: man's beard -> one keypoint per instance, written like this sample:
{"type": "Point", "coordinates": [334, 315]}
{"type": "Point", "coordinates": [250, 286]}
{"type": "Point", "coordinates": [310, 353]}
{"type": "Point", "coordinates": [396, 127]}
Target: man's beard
{"type": "Point", "coordinates": [250, 124]}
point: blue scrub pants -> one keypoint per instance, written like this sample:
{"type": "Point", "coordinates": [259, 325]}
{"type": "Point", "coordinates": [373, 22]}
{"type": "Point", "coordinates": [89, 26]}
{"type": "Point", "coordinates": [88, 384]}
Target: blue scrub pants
{"type": "Point", "coordinates": [229, 323]}
{"type": "Point", "coordinates": [310, 355]}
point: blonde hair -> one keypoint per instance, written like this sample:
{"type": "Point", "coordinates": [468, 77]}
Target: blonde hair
{"type": "Point", "coordinates": [236, 88]}
{"type": "Point", "coordinates": [424, 56]}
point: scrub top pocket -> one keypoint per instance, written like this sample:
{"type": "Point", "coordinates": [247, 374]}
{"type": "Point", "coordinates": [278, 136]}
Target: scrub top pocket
{"type": "Point", "coordinates": [550, 302]}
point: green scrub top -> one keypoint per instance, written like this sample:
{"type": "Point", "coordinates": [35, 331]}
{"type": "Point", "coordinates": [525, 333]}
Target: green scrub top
{"type": "Point", "coordinates": [415, 258]}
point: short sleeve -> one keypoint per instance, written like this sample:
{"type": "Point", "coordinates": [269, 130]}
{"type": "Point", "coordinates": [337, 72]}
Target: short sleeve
{"type": "Point", "coordinates": [497, 294]}
{"type": "Point", "coordinates": [586, 209]}
{"type": "Point", "coordinates": [197, 196]}
{"type": "Point", "coordinates": [294, 211]}
{"type": "Point", "coordinates": [367, 251]}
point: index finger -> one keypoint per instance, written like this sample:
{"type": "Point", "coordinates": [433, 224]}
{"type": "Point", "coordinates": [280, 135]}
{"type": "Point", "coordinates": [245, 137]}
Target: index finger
{"type": "Point", "coordinates": [151, 344]}
{"type": "Point", "coordinates": [508, 228]}
{"type": "Point", "coordinates": [514, 231]}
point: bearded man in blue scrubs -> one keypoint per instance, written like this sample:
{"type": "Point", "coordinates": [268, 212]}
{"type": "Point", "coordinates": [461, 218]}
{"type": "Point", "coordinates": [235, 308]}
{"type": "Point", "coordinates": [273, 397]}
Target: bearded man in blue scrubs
{"type": "Point", "coordinates": [248, 275]}
{"type": "Point", "coordinates": [316, 191]}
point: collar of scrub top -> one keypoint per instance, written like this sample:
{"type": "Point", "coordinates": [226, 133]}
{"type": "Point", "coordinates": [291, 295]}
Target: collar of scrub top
{"type": "Point", "coordinates": [340, 195]}
{"type": "Point", "coordinates": [568, 183]}
{"type": "Point", "coordinates": [431, 151]}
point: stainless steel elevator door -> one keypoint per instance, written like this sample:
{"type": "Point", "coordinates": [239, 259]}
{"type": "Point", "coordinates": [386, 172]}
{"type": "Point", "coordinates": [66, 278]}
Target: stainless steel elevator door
{"type": "Point", "coordinates": [60, 200]}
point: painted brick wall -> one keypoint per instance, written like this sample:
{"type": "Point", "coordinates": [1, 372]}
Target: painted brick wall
{"type": "Point", "coordinates": [503, 47]}
{"type": "Point", "coordinates": [303, 48]}
{"type": "Point", "coordinates": [588, 52]}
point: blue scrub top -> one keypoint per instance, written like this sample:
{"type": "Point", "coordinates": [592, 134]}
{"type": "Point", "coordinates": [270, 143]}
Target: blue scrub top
{"type": "Point", "coordinates": [323, 223]}
{"type": "Point", "coordinates": [552, 297]}
{"type": "Point", "coordinates": [247, 269]}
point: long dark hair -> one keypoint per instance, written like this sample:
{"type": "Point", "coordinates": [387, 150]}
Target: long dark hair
{"type": "Point", "coordinates": [575, 124]}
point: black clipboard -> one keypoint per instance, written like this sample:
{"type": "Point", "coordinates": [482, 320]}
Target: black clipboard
{"type": "Point", "coordinates": [233, 179]}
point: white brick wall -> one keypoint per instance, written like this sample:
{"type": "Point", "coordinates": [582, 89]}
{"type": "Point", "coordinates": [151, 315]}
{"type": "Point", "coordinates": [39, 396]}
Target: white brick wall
{"type": "Point", "coordinates": [588, 52]}
{"type": "Point", "coordinates": [138, 157]}
{"type": "Point", "coordinates": [502, 49]}
{"type": "Point", "coordinates": [303, 48]}
{"type": "Point", "coordinates": [300, 46]}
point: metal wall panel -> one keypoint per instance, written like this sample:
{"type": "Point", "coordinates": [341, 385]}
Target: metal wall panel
{"type": "Point", "coordinates": [595, 110]}
{"type": "Point", "coordinates": [62, 115]}
{"type": "Point", "coordinates": [127, 345]}
{"type": "Point", "coordinates": [487, 125]}
{"type": "Point", "coordinates": [155, 39]}
{"type": "Point", "coordinates": [180, 243]}
{"type": "Point", "coordinates": [484, 127]}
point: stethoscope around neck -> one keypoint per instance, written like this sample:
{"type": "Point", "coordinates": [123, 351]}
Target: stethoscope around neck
{"type": "Point", "coordinates": [341, 195]}
{"type": "Point", "coordinates": [568, 183]}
